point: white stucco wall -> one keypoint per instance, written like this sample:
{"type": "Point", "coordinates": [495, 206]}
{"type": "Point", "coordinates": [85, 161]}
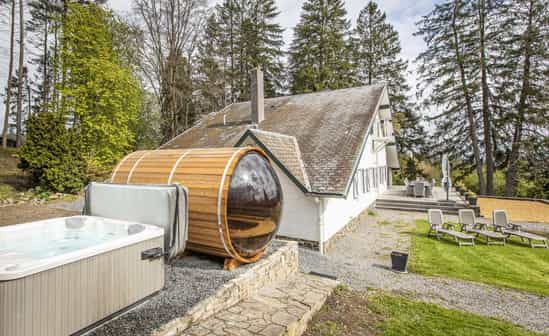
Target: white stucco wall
{"type": "Point", "coordinates": [299, 212]}
{"type": "Point", "coordinates": [337, 212]}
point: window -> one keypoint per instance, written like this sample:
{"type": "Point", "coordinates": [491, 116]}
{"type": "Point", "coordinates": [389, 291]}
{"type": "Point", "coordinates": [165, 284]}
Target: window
{"type": "Point", "coordinates": [381, 176]}
{"type": "Point", "coordinates": [355, 187]}
{"type": "Point", "coordinates": [364, 180]}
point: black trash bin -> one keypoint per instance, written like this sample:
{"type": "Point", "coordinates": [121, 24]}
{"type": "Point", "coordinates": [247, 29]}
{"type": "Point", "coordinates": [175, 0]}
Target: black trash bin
{"type": "Point", "coordinates": [399, 261]}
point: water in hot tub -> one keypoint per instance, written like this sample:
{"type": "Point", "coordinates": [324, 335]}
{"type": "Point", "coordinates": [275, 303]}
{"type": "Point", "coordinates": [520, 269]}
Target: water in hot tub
{"type": "Point", "coordinates": [59, 237]}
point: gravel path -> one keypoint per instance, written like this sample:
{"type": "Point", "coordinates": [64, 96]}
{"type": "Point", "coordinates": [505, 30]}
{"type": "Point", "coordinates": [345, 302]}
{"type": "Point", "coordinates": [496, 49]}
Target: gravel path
{"type": "Point", "coordinates": [361, 260]}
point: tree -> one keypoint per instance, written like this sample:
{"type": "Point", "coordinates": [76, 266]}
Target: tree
{"type": "Point", "coordinates": [448, 69]}
{"type": "Point", "coordinates": [376, 52]}
{"type": "Point", "coordinates": [99, 94]}
{"type": "Point", "coordinates": [9, 79]}
{"type": "Point", "coordinates": [147, 134]}
{"type": "Point", "coordinates": [21, 77]}
{"type": "Point", "coordinates": [261, 44]}
{"type": "Point", "coordinates": [483, 12]}
{"type": "Point", "coordinates": [240, 36]}
{"type": "Point", "coordinates": [211, 68]}
{"type": "Point", "coordinates": [170, 31]}
{"type": "Point", "coordinates": [320, 52]}
{"type": "Point", "coordinates": [44, 19]}
{"type": "Point", "coordinates": [521, 88]}
{"type": "Point", "coordinates": [52, 154]}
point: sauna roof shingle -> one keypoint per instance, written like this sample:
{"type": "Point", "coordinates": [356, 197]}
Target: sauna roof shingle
{"type": "Point", "coordinates": [329, 127]}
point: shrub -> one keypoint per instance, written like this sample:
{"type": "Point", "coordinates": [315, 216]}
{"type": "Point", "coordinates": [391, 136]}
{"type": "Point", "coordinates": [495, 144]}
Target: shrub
{"type": "Point", "coordinates": [397, 178]}
{"type": "Point", "coordinates": [52, 154]}
{"type": "Point", "coordinates": [411, 169]}
{"type": "Point", "coordinates": [470, 181]}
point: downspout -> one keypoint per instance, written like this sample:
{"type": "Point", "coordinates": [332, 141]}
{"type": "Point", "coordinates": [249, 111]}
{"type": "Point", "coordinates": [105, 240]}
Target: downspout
{"type": "Point", "coordinates": [320, 202]}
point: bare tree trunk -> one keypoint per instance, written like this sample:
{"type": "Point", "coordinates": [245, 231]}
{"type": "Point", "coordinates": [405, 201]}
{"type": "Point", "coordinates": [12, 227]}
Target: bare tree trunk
{"type": "Point", "coordinates": [55, 68]}
{"type": "Point", "coordinates": [231, 48]}
{"type": "Point", "coordinates": [486, 116]}
{"type": "Point", "coordinates": [28, 88]}
{"type": "Point", "coordinates": [20, 79]}
{"type": "Point", "coordinates": [10, 75]}
{"type": "Point", "coordinates": [45, 79]}
{"type": "Point", "coordinates": [511, 179]}
{"type": "Point", "coordinates": [469, 106]}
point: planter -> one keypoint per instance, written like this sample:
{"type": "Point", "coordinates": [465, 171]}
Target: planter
{"type": "Point", "coordinates": [399, 261]}
{"type": "Point", "coordinates": [472, 200]}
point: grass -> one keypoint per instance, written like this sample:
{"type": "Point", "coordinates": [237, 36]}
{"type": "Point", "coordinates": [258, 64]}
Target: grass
{"type": "Point", "coordinates": [514, 265]}
{"type": "Point", "coordinates": [357, 313]}
{"type": "Point", "coordinates": [407, 317]}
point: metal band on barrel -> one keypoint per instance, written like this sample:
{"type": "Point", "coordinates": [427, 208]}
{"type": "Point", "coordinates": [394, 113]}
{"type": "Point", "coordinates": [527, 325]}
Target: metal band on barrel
{"type": "Point", "coordinates": [120, 164]}
{"type": "Point", "coordinates": [176, 164]}
{"type": "Point", "coordinates": [219, 197]}
{"type": "Point", "coordinates": [135, 165]}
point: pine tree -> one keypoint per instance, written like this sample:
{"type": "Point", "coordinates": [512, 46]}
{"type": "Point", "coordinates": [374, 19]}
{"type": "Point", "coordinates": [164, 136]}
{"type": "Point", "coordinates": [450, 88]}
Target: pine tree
{"type": "Point", "coordinates": [522, 81]}
{"type": "Point", "coordinates": [211, 68]}
{"type": "Point", "coordinates": [320, 52]}
{"type": "Point", "coordinates": [376, 54]}
{"type": "Point", "coordinates": [484, 10]}
{"type": "Point", "coordinates": [449, 70]}
{"type": "Point", "coordinates": [248, 37]}
{"type": "Point", "coordinates": [264, 42]}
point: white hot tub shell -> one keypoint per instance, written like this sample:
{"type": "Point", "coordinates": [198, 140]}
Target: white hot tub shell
{"type": "Point", "coordinates": [61, 276]}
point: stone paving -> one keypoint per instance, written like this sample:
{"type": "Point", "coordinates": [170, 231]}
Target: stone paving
{"type": "Point", "coordinates": [283, 309]}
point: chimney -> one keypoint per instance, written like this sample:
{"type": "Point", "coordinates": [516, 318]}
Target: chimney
{"type": "Point", "coordinates": [258, 109]}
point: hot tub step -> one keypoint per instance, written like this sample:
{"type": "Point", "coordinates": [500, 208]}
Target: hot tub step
{"type": "Point", "coordinates": [282, 309]}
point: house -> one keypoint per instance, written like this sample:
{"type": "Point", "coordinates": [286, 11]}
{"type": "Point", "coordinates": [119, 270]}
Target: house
{"type": "Point", "coordinates": [333, 152]}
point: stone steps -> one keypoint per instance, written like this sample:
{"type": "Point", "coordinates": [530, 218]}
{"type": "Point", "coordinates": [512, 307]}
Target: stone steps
{"type": "Point", "coordinates": [282, 309]}
{"type": "Point", "coordinates": [419, 206]}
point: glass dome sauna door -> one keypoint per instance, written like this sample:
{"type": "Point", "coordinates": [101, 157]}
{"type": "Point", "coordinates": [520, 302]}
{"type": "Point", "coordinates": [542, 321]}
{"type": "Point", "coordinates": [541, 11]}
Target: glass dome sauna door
{"type": "Point", "coordinates": [254, 206]}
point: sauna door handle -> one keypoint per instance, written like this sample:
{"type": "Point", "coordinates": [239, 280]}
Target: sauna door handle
{"type": "Point", "coordinates": [152, 254]}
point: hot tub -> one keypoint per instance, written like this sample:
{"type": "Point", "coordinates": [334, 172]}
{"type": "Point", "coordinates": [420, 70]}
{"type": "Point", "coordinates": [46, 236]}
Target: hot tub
{"type": "Point", "coordinates": [61, 276]}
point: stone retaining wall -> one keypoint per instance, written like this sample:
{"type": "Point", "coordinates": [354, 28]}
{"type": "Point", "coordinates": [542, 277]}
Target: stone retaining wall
{"type": "Point", "coordinates": [274, 268]}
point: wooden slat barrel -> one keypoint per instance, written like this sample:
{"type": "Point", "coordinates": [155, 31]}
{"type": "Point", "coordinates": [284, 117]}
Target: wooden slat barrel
{"type": "Point", "coordinates": [235, 197]}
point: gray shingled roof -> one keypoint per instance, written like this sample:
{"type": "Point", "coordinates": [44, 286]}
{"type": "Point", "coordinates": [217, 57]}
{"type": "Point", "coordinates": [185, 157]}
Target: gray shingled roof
{"type": "Point", "coordinates": [284, 150]}
{"type": "Point", "coordinates": [329, 126]}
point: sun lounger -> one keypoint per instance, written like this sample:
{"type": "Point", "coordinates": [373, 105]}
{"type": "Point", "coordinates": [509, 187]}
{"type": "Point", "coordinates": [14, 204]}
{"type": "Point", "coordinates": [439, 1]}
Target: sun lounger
{"type": "Point", "coordinates": [502, 225]}
{"type": "Point", "coordinates": [440, 228]}
{"type": "Point", "coordinates": [468, 224]}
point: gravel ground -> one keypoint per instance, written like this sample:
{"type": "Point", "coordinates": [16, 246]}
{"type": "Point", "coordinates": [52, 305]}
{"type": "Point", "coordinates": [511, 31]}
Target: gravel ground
{"type": "Point", "coordinates": [23, 213]}
{"type": "Point", "coordinates": [361, 260]}
{"type": "Point", "coordinates": [188, 281]}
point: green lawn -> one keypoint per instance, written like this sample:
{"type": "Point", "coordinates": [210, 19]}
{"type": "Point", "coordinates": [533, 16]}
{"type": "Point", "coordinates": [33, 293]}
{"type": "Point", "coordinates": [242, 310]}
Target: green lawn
{"type": "Point", "coordinates": [349, 312]}
{"type": "Point", "coordinates": [407, 317]}
{"type": "Point", "coordinates": [514, 265]}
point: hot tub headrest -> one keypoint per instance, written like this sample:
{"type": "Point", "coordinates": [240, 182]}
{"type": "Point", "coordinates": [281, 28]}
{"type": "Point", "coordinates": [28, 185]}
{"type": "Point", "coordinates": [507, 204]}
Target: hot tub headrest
{"type": "Point", "coordinates": [165, 206]}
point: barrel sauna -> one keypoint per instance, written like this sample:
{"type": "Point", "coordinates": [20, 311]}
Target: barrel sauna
{"type": "Point", "coordinates": [235, 197]}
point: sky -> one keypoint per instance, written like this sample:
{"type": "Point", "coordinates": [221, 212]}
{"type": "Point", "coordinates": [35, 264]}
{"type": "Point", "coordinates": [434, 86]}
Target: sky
{"type": "Point", "coordinates": [402, 14]}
